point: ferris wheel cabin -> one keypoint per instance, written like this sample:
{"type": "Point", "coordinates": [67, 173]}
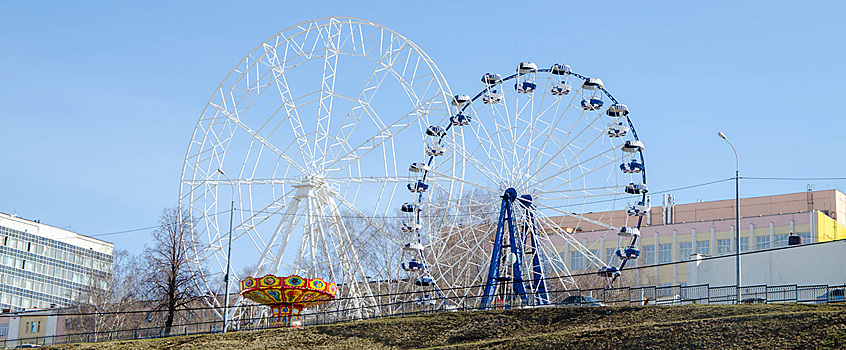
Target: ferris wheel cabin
{"type": "Point", "coordinates": [460, 119]}
{"type": "Point", "coordinates": [617, 130]}
{"type": "Point", "coordinates": [560, 69]}
{"type": "Point", "coordinates": [412, 265]}
{"type": "Point", "coordinates": [418, 187]}
{"type": "Point", "coordinates": [629, 253]}
{"type": "Point", "coordinates": [411, 227]}
{"type": "Point", "coordinates": [560, 89]}
{"type": "Point", "coordinates": [418, 167]}
{"type": "Point", "coordinates": [632, 167]}
{"type": "Point", "coordinates": [592, 104]}
{"type": "Point", "coordinates": [491, 78]}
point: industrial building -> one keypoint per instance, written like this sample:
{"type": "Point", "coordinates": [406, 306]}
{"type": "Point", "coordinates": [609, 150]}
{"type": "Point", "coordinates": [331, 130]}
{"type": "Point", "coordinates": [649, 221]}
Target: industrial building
{"type": "Point", "coordinates": [695, 232]}
{"type": "Point", "coordinates": [42, 266]}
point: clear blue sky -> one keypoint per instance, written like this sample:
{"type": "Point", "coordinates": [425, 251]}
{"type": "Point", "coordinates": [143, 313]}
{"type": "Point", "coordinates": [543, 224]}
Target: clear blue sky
{"type": "Point", "coordinates": [99, 100]}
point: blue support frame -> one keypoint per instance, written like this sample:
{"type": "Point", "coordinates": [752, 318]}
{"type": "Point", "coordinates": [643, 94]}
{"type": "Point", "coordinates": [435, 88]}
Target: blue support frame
{"type": "Point", "coordinates": [506, 216]}
{"type": "Point", "coordinates": [538, 275]}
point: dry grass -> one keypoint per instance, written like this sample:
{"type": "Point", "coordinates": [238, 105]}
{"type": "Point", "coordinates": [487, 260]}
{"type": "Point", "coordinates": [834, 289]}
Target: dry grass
{"type": "Point", "coordinates": [651, 327]}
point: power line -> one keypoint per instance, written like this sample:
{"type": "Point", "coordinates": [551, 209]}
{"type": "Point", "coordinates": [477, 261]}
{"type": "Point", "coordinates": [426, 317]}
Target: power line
{"type": "Point", "coordinates": [794, 178]}
{"type": "Point", "coordinates": [560, 206]}
{"type": "Point", "coordinates": [126, 231]}
{"type": "Point", "coordinates": [693, 186]}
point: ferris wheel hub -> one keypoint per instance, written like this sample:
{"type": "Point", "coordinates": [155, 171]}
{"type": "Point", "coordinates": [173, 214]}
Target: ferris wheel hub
{"type": "Point", "coordinates": [311, 185]}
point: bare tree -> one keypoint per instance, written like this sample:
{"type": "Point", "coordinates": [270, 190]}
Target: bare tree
{"type": "Point", "coordinates": [109, 292]}
{"type": "Point", "coordinates": [170, 275]}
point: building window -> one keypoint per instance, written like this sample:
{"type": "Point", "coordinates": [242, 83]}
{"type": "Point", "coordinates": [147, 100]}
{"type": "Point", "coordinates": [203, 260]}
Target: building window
{"type": "Point", "coordinates": [744, 244]}
{"type": "Point", "coordinates": [33, 327]}
{"type": "Point", "coordinates": [723, 246]}
{"type": "Point", "coordinates": [806, 237]}
{"type": "Point", "coordinates": [610, 255]}
{"type": "Point", "coordinates": [4, 330]}
{"type": "Point", "coordinates": [762, 242]}
{"type": "Point", "coordinates": [685, 249]}
{"type": "Point", "coordinates": [648, 254]}
{"type": "Point", "coordinates": [703, 247]}
{"type": "Point", "coordinates": [779, 241]}
{"type": "Point", "coordinates": [577, 261]}
{"type": "Point", "coordinates": [665, 253]}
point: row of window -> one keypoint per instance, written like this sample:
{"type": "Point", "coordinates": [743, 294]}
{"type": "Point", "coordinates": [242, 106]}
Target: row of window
{"type": "Point", "coordinates": [18, 303]}
{"type": "Point", "coordinates": [12, 272]}
{"type": "Point", "coordinates": [45, 269]}
{"type": "Point", "coordinates": [55, 253]}
{"type": "Point", "coordinates": [686, 249]}
{"type": "Point", "coordinates": [24, 236]}
{"type": "Point", "coordinates": [56, 294]}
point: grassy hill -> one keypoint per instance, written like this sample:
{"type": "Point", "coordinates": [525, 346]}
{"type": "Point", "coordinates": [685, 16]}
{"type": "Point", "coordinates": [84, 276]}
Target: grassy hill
{"type": "Point", "coordinates": [649, 327]}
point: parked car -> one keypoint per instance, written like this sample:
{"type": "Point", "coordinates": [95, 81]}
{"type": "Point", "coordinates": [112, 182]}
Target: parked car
{"type": "Point", "coordinates": [833, 295]}
{"type": "Point", "coordinates": [581, 300]}
{"type": "Point", "coordinates": [755, 300]}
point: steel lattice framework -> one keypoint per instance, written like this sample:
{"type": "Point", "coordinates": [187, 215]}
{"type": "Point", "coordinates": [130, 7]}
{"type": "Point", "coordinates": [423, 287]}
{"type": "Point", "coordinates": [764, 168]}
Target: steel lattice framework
{"type": "Point", "coordinates": [309, 134]}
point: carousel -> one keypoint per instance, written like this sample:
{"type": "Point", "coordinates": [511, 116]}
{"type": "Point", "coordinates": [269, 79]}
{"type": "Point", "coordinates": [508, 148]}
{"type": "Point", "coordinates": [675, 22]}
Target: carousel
{"type": "Point", "coordinates": [287, 296]}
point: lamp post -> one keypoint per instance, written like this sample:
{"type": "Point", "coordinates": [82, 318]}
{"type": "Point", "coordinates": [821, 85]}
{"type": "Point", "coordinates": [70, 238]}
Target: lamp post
{"type": "Point", "coordinates": [228, 253]}
{"type": "Point", "coordinates": [736, 213]}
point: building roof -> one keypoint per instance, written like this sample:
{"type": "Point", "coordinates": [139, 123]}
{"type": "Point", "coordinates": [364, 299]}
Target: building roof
{"type": "Point", "coordinates": [35, 227]}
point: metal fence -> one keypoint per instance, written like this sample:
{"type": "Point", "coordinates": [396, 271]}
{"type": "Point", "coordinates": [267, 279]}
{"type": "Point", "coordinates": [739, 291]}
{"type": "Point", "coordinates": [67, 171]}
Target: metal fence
{"type": "Point", "coordinates": [402, 304]}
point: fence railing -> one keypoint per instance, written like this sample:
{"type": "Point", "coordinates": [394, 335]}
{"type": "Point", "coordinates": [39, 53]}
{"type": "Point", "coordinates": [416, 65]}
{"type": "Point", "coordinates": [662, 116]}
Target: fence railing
{"type": "Point", "coordinates": [403, 304]}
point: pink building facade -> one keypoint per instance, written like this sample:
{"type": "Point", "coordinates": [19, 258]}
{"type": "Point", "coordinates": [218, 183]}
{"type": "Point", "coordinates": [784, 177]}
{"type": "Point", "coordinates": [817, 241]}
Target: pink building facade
{"type": "Point", "coordinates": [678, 233]}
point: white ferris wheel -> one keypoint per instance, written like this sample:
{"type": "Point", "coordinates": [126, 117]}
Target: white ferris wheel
{"type": "Point", "coordinates": [510, 177]}
{"type": "Point", "coordinates": [310, 135]}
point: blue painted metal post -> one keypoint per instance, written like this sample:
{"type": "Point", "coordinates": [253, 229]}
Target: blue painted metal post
{"type": "Point", "coordinates": [538, 276]}
{"type": "Point", "coordinates": [516, 247]}
{"type": "Point", "coordinates": [496, 253]}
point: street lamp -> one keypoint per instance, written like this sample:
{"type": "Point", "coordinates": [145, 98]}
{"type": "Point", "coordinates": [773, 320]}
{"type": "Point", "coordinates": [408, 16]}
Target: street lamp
{"type": "Point", "coordinates": [228, 252]}
{"type": "Point", "coordinates": [736, 214]}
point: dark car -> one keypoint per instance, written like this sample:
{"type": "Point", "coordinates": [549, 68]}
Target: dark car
{"type": "Point", "coordinates": [581, 300]}
{"type": "Point", "coordinates": [753, 301]}
{"type": "Point", "coordinates": [834, 295]}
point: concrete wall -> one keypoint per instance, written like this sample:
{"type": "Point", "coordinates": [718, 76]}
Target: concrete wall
{"type": "Point", "coordinates": [821, 263]}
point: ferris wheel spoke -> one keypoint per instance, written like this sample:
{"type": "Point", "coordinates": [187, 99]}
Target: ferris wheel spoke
{"type": "Point", "coordinates": [284, 228]}
{"type": "Point", "coordinates": [349, 257]}
{"type": "Point", "coordinates": [450, 178]}
{"type": "Point", "coordinates": [552, 128]}
{"type": "Point", "coordinates": [576, 216]}
{"type": "Point", "coordinates": [360, 107]}
{"type": "Point", "coordinates": [578, 164]}
{"type": "Point", "coordinates": [504, 125]}
{"type": "Point", "coordinates": [567, 181]}
{"type": "Point", "coordinates": [568, 145]}
{"type": "Point", "coordinates": [569, 138]}
{"type": "Point", "coordinates": [286, 97]}
{"type": "Point", "coordinates": [381, 137]}
{"type": "Point", "coordinates": [330, 66]}
{"type": "Point", "coordinates": [570, 240]}
{"type": "Point", "coordinates": [261, 140]}
{"type": "Point", "coordinates": [487, 145]}
{"type": "Point", "coordinates": [459, 151]}
{"type": "Point", "coordinates": [602, 190]}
